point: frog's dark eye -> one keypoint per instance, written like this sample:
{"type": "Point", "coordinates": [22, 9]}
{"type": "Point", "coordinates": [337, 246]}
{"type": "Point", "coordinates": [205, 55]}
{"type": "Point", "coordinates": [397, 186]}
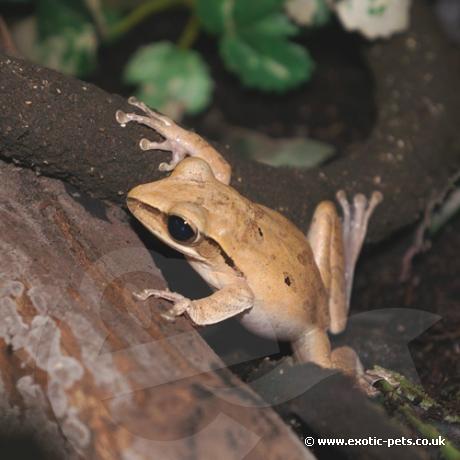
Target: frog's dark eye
{"type": "Point", "coordinates": [181, 230]}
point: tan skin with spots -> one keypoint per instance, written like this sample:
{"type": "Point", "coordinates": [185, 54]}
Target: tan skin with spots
{"type": "Point", "coordinates": [278, 282]}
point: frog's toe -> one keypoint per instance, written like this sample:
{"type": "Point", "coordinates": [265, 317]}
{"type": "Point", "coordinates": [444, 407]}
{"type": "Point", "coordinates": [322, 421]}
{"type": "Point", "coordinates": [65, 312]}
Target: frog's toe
{"type": "Point", "coordinates": [355, 220]}
{"type": "Point", "coordinates": [153, 114]}
{"type": "Point", "coordinates": [140, 105]}
{"type": "Point", "coordinates": [122, 117]}
{"type": "Point", "coordinates": [346, 359]}
{"type": "Point", "coordinates": [134, 101]}
{"type": "Point", "coordinates": [356, 215]}
{"type": "Point", "coordinates": [145, 144]}
{"type": "Point", "coordinates": [365, 384]}
{"type": "Point", "coordinates": [178, 309]}
{"type": "Point", "coordinates": [160, 294]}
{"type": "Point", "coordinates": [376, 198]}
{"type": "Point", "coordinates": [146, 293]}
{"type": "Point", "coordinates": [168, 317]}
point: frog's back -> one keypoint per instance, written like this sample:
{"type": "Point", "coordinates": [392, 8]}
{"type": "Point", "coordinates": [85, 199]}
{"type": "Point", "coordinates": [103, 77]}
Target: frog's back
{"type": "Point", "coordinates": [282, 273]}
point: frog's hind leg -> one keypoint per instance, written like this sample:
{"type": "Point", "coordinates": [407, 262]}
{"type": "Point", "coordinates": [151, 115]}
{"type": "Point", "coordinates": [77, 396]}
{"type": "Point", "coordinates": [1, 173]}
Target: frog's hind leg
{"type": "Point", "coordinates": [336, 247]}
{"type": "Point", "coordinates": [355, 219]}
{"type": "Point", "coordinates": [325, 238]}
{"type": "Point", "coordinates": [313, 346]}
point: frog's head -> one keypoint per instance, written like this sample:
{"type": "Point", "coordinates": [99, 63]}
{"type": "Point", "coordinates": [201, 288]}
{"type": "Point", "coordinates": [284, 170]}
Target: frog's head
{"type": "Point", "coordinates": [175, 209]}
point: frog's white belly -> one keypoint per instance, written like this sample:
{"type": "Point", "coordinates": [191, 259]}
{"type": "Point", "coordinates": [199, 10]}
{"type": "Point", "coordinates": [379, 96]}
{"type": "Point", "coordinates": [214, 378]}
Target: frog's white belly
{"type": "Point", "coordinates": [275, 325]}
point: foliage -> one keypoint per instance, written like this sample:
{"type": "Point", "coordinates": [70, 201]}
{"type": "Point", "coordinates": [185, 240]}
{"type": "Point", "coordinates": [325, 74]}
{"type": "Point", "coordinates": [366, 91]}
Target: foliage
{"type": "Point", "coordinates": [170, 78]}
{"type": "Point", "coordinates": [297, 152]}
{"type": "Point", "coordinates": [254, 40]}
{"type": "Point", "coordinates": [66, 37]}
{"type": "Point", "coordinates": [409, 401]}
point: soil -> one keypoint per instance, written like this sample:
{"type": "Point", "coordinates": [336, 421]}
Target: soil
{"type": "Point", "coordinates": [434, 287]}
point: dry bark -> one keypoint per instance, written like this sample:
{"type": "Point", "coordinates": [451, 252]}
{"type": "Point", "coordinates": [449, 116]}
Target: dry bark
{"type": "Point", "coordinates": [66, 128]}
{"type": "Point", "coordinates": [94, 373]}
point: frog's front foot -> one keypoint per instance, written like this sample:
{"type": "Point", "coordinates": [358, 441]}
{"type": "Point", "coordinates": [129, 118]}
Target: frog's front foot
{"type": "Point", "coordinates": [178, 141]}
{"type": "Point", "coordinates": [181, 303]}
{"type": "Point", "coordinates": [171, 132]}
{"type": "Point", "coordinates": [354, 227]}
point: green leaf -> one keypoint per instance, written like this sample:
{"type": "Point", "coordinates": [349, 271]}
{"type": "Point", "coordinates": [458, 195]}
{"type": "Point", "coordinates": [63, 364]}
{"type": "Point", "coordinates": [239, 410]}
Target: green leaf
{"type": "Point", "coordinates": [246, 13]}
{"type": "Point", "coordinates": [169, 78]}
{"type": "Point", "coordinates": [303, 153]}
{"type": "Point", "coordinates": [295, 152]}
{"type": "Point", "coordinates": [72, 51]}
{"type": "Point", "coordinates": [268, 64]}
{"type": "Point", "coordinates": [323, 13]}
{"type": "Point", "coordinates": [213, 14]}
{"type": "Point", "coordinates": [55, 16]}
{"type": "Point", "coordinates": [253, 42]}
{"type": "Point", "coordinates": [274, 25]}
{"type": "Point", "coordinates": [67, 39]}
{"type": "Point", "coordinates": [219, 16]}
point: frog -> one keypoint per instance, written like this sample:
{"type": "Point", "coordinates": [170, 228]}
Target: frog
{"type": "Point", "coordinates": [280, 283]}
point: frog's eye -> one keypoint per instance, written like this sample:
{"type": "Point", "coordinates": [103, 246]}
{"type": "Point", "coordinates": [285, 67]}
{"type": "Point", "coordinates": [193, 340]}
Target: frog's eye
{"type": "Point", "coordinates": [181, 230]}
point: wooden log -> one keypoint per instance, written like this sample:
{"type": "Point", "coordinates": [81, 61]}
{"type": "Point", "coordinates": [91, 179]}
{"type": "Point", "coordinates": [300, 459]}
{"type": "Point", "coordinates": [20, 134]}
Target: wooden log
{"type": "Point", "coordinates": [94, 373]}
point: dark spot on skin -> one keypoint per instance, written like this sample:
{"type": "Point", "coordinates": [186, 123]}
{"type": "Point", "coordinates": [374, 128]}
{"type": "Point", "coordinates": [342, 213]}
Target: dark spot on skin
{"type": "Point", "coordinates": [302, 258]}
{"type": "Point", "coordinates": [261, 233]}
{"type": "Point", "coordinates": [290, 281]}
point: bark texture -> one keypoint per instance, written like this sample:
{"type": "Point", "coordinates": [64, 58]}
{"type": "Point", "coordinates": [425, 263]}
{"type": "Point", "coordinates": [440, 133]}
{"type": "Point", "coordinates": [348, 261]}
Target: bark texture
{"type": "Point", "coordinates": [94, 373]}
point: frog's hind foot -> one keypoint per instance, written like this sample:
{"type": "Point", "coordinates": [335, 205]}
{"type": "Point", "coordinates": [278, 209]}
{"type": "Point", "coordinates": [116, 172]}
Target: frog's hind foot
{"type": "Point", "coordinates": [355, 220]}
{"type": "Point", "coordinates": [347, 361]}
